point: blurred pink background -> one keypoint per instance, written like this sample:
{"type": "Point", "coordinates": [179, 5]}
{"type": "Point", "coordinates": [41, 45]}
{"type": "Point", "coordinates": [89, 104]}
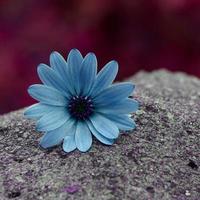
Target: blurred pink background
{"type": "Point", "coordinates": [140, 35]}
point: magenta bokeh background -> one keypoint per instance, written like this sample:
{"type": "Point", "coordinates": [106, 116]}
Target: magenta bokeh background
{"type": "Point", "coordinates": [138, 34]}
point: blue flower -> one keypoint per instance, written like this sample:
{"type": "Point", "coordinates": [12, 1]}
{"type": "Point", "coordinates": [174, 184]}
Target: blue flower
{"type": "Point", "coordinates": [75, 102]}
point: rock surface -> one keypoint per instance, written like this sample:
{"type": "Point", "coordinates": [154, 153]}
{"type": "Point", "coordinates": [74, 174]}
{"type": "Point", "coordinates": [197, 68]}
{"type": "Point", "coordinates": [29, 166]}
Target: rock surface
{"type": "Point", "coordinates": [158, 160]}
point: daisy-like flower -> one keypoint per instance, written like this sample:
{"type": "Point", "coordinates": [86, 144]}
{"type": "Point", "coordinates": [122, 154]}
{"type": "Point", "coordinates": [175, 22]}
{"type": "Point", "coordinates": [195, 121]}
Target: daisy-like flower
{"type": "Point", "coordinates": [76, 103]}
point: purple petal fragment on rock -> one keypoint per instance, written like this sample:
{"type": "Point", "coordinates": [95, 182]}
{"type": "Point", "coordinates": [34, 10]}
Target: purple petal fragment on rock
{"type": "Point", "coordinates": [71, 189]}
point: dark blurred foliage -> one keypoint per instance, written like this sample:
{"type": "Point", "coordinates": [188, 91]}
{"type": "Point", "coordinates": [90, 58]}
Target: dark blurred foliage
{"type": "Point", "coordinates": [138, 34]}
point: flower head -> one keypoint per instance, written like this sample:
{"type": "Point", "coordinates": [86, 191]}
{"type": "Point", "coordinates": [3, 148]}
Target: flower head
{"type": "Point", "coordinates": [75, 102]}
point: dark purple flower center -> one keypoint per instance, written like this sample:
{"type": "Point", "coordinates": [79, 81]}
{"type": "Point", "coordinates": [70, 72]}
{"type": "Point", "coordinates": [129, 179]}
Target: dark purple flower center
{"type": "Point", "coordinates": [80, 107]}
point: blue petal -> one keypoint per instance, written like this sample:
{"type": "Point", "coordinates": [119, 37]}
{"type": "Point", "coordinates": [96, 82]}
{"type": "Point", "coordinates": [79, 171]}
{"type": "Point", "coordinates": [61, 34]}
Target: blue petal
{"type": "Point", "coordinates": [125, 106]}
{"type": "Point", "coordinates": [69, 143]}
{"type": "Point", "coordinates": [61, 67]}
{"type": "Point", "coordinates": [59, 64]}
{"type": "Point", "coordinates": [114, 93]}
{"type": "Point", "coordinates": [51, 139]}
{"type": "Point", "coordinates": [123, 122]}
{"type": "Point", "coordinates": [50, 78]}
{"type": "Point", "coordinates": [38, 110]}
{"type": "Point", "coordinates": [52, 120]}
{"type": "Point", "coordinates": [74, 61]}
{"type": "Point", "coordinates": [56, 136]}
{"type": "Point", "coordinates": [88, 72]}
{"type": "Point", "coordinates": [47, 95]}
{"type": "Point", "coordinates": [98, 136]}
{"type": "Point", "coordinates": [104, 126]}
{"type": "Point", "coordinates": [105, 77]}
{"type": "Point", "coordinates": [83, 137]}
{"type": "Point", "coordinates": [74, 58]}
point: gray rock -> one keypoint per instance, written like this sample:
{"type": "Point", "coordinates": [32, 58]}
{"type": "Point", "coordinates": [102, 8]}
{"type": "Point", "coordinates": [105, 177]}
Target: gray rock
{"type": "Point", "coordinates": [158, 160]}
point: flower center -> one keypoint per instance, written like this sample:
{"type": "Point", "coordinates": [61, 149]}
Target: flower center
{"type": "Point", "coordinates": [80, 107]}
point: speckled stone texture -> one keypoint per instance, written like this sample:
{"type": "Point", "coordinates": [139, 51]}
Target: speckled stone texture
{"type": "Point", "coordinates": [158, 160]}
